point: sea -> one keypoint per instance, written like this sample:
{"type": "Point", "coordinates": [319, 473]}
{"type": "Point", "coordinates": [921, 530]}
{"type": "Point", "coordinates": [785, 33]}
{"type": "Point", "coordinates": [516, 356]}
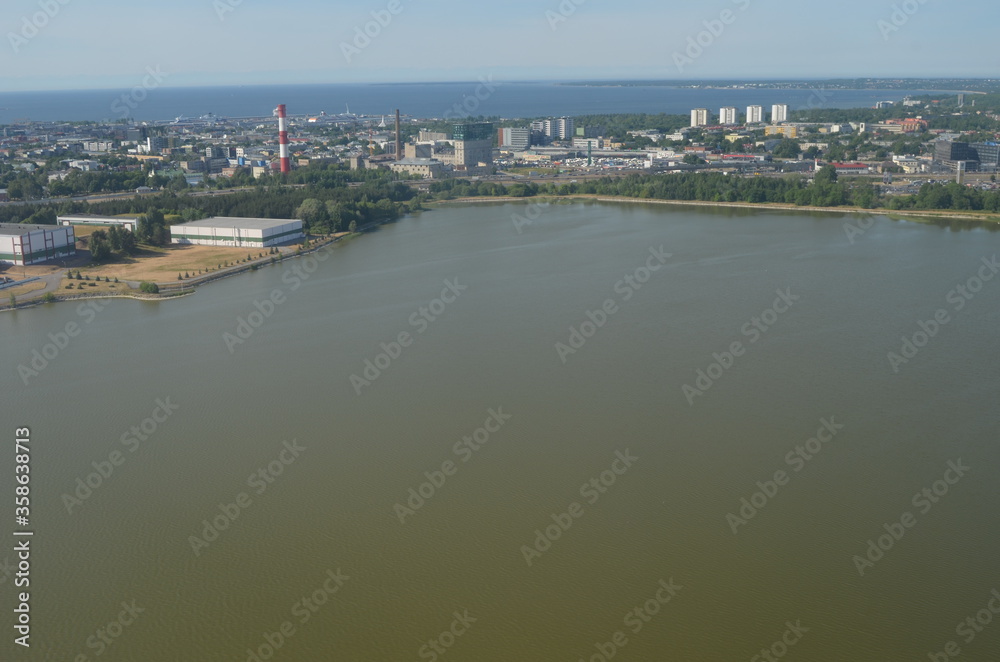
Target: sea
{"type": "Point", "coordinates": [427, 100]}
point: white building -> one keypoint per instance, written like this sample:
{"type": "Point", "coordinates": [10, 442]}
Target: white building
{"type": "Point", "coordinates": [129, 222]}
{"type": "Point", "coordinates": [779, 113]}
{"type": "Point", "coordinates": [515, 138]}
{"type": "Point", "coordinates": [30, 244]}
{"type": "Point", "coordinates": [728, 115]}
{"type": "Point", "coordinates": [563, 128]}
{"type": "Point", "coordinates": [699, 117]}
{"type": "Point", "coordinates": [755, 114]}
{"type": "Point", "coordinates": [238, 232]}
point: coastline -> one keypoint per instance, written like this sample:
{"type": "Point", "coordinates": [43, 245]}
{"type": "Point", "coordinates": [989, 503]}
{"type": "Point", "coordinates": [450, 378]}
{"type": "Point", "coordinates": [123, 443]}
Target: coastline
{"type": "Point", "coordinates": [773, 206]}
{"type": "Point", "coordinates": [172, 291]}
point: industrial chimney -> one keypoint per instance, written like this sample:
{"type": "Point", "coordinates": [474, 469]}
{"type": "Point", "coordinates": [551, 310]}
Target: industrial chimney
{"type": "Point", "coordinates": [399, 139]}
{"type": "Point", "coordinates": [283, 139]}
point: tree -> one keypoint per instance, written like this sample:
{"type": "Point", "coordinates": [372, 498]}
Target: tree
{"type": "Point", "coordinates": [788, 148]}
{"type": "Point", "coordinates": [354, 227]}
{"type": "Point", "coordinates": [100, 247]}
{"type": "Point", "coordinates": [826, 174]}
{"type": "Point", "coordinates": [149, 288]}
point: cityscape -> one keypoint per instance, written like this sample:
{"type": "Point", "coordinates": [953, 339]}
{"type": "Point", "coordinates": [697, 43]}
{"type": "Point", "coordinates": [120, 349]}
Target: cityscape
{"type": "Point", "coordinates": [550, 331]}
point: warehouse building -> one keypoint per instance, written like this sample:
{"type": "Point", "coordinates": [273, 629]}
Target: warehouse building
{"type": "Point", "coordinates": [238, 232]}
{"type": "Point", "coordinates": [30, 244]}
{"type": "Point", "coordinates": [127, 222]}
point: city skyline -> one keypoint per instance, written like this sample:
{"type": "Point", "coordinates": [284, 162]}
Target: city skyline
{"type": "Point", "coordinates": [63, 44]}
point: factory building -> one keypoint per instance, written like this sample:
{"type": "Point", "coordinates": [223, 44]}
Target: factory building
{"type": "Point", "coordinates": [238, 232]}
{"type": "Point", "coordinates": [128, 222]}
{"type": "Point", "coordinates": [30, 244]}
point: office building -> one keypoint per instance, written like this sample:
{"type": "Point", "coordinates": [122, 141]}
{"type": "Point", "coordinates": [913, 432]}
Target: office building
{"type": "Point", "coordinates": [473, 147]}
{"type": "Point", "coordinates": [950, 153]}
{"type": "Point", "coordinates": [515, 138]}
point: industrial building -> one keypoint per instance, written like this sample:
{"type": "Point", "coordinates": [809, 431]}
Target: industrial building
{"type": "Point", "coordinates": [30, 244]}
{"type": "Point", "coordinates": [425, 168]}
{"type": "Point", "coordinates": [238, 232]}
{"type": "Point", "coordinates": [127, 222]}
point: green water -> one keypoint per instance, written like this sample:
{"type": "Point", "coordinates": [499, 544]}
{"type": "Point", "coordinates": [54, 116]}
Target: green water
{"type": "Point", "coordinates": [493, 346]}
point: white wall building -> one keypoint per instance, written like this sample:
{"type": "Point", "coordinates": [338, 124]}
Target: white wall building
{"type": "Point", "coordinates": [238, 232]}
{"type": "Point", "coordinates": [31, 244]}
{"type": "Point", "coordinates": [779, 113]}
{"type": "Point", "coordinates": [728, 115]}
{"type": "Point", "coordinates": [127, 222]}
{"type": "Point", "coordinates": [755, 114]}
{"type": "Point", "coordinates": [699, 117]}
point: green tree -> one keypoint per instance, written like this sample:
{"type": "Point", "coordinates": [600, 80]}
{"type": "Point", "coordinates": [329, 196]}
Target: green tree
{"type": "Point", "coordinates": [826, 174]}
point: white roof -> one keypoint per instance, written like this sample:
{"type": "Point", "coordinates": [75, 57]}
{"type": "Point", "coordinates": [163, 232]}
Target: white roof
{"type": "Point", "coordinates": [245, 223]}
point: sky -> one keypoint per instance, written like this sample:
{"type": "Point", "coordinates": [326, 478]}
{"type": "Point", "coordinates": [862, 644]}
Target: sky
{"type": "Point", "coordinates": [108, 44]}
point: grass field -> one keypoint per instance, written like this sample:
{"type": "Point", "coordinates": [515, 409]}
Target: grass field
{"type": "Point", "coordinates": [89, 287]}
{"type": "Point", "coordinates": [23, 289]}
{"type": "Point", "coordinates": [162, 265]}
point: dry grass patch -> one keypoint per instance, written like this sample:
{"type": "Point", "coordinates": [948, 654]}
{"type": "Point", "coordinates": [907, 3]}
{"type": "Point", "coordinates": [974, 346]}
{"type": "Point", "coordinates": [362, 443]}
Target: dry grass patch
{"type": "Point", "coordinates": [161, 265]}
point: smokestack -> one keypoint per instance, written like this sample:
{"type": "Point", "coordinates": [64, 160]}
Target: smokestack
{"type": "Point", "coordinates": [283, 139]}
{"type": "Point", "coordinates": [399, 139]}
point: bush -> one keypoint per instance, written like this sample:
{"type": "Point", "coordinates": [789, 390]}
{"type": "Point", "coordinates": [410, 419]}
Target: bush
{"type": "Point", "coordinates": [149, 288]}
{"type": "Point", "coordinates": [49, 297]}
{"type": "Point", "coordinates": [70, 286]}
{"type": "Point", "coordinates": [116, 279]}
{"type": "Point", "coordinates": [91, 284]}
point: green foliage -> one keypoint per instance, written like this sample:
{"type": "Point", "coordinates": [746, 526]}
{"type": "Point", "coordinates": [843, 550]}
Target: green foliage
{"type": "Point", "coordinates": [49, 297]}
{"type": "Point", "coordinates": [100, 246]}
{"type": "Point", "coordinates": [149, 288]}
{"type": "Point", "coordinates": [788, 148]}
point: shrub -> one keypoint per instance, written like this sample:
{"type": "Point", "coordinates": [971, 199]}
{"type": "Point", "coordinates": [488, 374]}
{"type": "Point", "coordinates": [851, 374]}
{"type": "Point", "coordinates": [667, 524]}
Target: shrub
{"type": "Point", "coordinates": [49, 297]}
{"type": "Point", "coordinates": [149, 288]}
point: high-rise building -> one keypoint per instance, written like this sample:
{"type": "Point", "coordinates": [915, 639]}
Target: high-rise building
{"type": "Point", "coordinates": [515, 138]}
{"type": "Point", "coordinates": [562, 128]}
{"type": "Point", "coordinates": [728, 115]}
{"type": "Point", "coordinates": [755, 114]}
{"type": "Point", "coordinates": [473, 145]}
{"type": "Point", "coordinates": [779, 113]}
{"type": "Point", "coordinates": [950, 153]}
{"type": "Point", "coordinates": [699, 117]}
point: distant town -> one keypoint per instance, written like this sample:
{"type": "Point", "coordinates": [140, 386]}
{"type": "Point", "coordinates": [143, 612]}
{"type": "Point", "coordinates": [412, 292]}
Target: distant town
{"type": "Point", "coordinates": [88, 194]}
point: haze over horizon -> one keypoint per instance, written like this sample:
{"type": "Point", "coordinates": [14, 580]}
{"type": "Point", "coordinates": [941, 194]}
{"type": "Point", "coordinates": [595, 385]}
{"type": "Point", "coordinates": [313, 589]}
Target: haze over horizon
{"type": "Point", "coordinates": [236, 42]}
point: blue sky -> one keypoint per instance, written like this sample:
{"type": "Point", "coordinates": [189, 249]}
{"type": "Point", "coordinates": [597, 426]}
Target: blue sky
{"type": "Point", "coordinates": [110, 43]}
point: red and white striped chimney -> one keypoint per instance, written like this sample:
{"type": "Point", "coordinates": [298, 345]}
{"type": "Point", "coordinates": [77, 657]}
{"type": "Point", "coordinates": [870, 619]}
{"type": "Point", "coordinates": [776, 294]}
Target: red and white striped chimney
{"type": "Point", "coordinates": [283, 139]}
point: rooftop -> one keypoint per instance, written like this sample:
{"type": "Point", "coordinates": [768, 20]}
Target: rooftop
{"type": "Point", "coordinates": [20, 229]}
{"type": "Point", "coordinates": [245, 223]}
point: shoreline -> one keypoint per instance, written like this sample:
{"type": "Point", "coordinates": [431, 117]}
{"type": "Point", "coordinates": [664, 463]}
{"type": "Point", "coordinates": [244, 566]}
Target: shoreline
{"type": "Point", "coordinates": [172, 291]}
{"type": "Point", "coordinates": [985, 217]}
